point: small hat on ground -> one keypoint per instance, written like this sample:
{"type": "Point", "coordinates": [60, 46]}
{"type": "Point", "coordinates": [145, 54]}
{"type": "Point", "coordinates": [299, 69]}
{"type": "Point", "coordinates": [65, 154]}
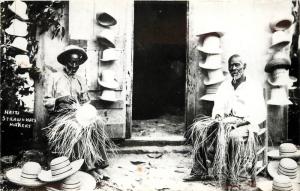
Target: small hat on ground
{"type": "Point", "coordinates": [19, 8]}
{"type": "Point", "coordinates": [106, 20]}
{"type": "Point", "coordinates": [23, 61]}
{"type": "Point", "coordinates": [108, 95]}
{"type": "Point", "coordinates": [106, 39]}
{"type": "Point", "coordinates": [27, 176]}
{"type": "Point", "coordinates": [287, 167]}
{"type": "Point", "coordinates": [210, 91]}
{"type": "Point", "coordinates": [279, 96]}
{"type": "Point", "coordinates": [211, 45]}
{"type": "Point", "coordinates": [60, 168]}
{"type": "Point", "coordinates": [286, 150]}
{"type": "Point", "coordinates": [214, 76]}
{"type": "Point", "coordinates": [17, 28]}
{"type": "Point", "coordinates": [109, 54]}
{"type": "Point", "coordinates": [280, 39]}
{"type": "Point", "coordinates": [108, 79]}
{"type": "Point", "coordinates": [213, 61]}
{"type": "Point", "coordinates": [280, 183]}
{"type": "Point", "coordinates": [78, 181]}
{"type": "Point", "coordinates": [281, 22]}
{"type": "Point", "coordinates": [69, 50]}
{"type": "Point", "coordinates": [20, 44]}
{"type": "Point", "coordinates": [280, 77]}
{"type": "Point", "coordinates": [279, 60]}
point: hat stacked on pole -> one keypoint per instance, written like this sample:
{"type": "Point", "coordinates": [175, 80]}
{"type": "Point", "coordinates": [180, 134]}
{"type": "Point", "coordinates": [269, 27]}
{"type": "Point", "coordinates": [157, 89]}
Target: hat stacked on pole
{"type": "Point", "coordinates": [211, 50]}
{"type": "Point", "coordinates": [280, 63]}
{"type": "Point", "coordinates": [107, 80]}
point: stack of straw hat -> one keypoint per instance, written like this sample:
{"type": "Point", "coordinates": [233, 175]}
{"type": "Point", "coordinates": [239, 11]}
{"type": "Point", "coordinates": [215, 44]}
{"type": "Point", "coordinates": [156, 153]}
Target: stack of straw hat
{"type": "Point", "coordinates": [107, 80]}
{"type": "Point", "coordinates": [211, 49]}
{"type": "Point", "coordinates": [280, 63]}
{"type": "Point", "coordinates": [280, 183]}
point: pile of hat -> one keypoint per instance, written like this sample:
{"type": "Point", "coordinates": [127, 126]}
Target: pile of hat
{"type": "Point", "coordinates": [17, 50]}
{"type": "Point", "coordinates": [107, 79]}
{"type": "Point", "coordinates": [63, 175]}
{"type": "Point", "coordinates": [211, 51]}
{"type": "Point", "coordinates": [280, 63]}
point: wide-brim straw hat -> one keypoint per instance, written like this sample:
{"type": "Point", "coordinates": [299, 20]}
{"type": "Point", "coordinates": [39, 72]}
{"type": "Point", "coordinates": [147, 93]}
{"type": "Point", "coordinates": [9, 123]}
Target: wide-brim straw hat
{"type": "Point", "coordinates": [60, 168]}
{"type": "Point", "coordinates": [86, 182]}
{"type": "Point", "coordinates": [213, 61]}
{"type": "Point", "coordinates": [105, 19]}
{"type": "Point", "coordinates": [273, 169]}
{"type": "Point", "coordinates": [281, 22]}
{"type": "Point", "coordinates": [108, 80]}
{"type": "Point", "coordinates": [280, 77]}
{"type": "Point", "coordinates": [210, 91]}
{"type": "Point", "coordinates": [286, 150]}
{"type": "Point", "coordinates": [72, 49]}
{"type": "Point", "coordinates": [109, 54]}
{"type": "Point", "coordinates": [23, 61]}
{"type": "Point", "coordinates": [19, 8]}
{"type": "Point", "coordinates": [279, 60]}
{"type": "Point", "coordinates": [108, 95]}
{"type": "Point", "coordinates": [267, 185]}
{"type": "Point", "coordinates": [17, 28]}
{"type": "Point", "coordinates": [280, 39]}
{"type": "Point", "coordinates": [214, 77]}
{"type": "Point", "coordinates": [211, 45]}
{"type": "Point", "coordinates": [279, 96]}
{"type": "Point", "coordinates": [107, 39]}
{"type": "Point", "coordinates": [26, 176]}
{"type": "Point", "coordinates": [208, 32]}
{"type": "Point", "coordinates": [20, 44]}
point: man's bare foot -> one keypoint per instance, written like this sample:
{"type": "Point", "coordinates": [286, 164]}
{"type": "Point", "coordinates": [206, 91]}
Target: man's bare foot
{"type": "Point", "coordinates": [104, 177]}
{"type": "Point", "coordinates": [96, 175]}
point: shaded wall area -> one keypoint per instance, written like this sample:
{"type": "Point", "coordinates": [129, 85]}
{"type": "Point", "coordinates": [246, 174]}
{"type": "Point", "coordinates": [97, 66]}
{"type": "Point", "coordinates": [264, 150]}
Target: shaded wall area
{"type": "Point", "coordinates": [159, 58]}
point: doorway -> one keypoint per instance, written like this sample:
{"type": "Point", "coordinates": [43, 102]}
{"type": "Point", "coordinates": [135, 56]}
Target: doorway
{"type": "Point", "coordinates": [160, 32]}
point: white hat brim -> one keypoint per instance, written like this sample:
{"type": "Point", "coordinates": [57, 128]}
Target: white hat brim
{"type": "Point", "coordinates": [291, 80]}
{"type": "Point", "coordinates": [210, 66]}
{"type": "Point", "coordinates": [279, 102]}
{"type": "Point", "coordinates": [209, 51]}
{"type": "Point", "coordinates": [108, 99]}
{"type": "Point", "coordinates": [87, 182]}
{"type": "Point", "coordinates": [208, 97]}
{"type": "Point", "coordinates": [109, 85]}
{"type": "Point", "coordinates": [274, 154]}
{"type": "Point", "coordinates": [14, 176]}
{"type": "Point", "coordinates": [268, 186]}
{"type": "Point", "coordinates": [215, 81]}
{"type": "Point", "coordinates": [280, 44]}
{"type": "Point", "coordinates": [273, 167]}
{"type": "Point", "coordinates": [108, 59]}
{"type": "Point", "coordinates": [46, 176]}
{"type": "Point", "coordinates": [220, 33]}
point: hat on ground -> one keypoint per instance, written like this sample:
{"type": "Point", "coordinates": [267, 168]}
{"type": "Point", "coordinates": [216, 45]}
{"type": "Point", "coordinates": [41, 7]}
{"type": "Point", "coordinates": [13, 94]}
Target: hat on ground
{"type": "Point", "coordinates": [280, 39]}
{"type": "Point", "coordinates": [279, 60]}
{"type": "Point", "coordinates": [287, 167]}
{"type": "Point", "coordinates": [69, 50]}
{"type": "Point", "coordinates": [105, 19]}
{"type": "Point", "coordinates": [109, 54]}
{"type": "Point", "coordinates": [213, 61]}
{"type": "Point", "coordinates": [20, 44]}
{"type": "Point", "coordinates": [108, 95]}
{"type": "Point", "coordinates": [280, 183]}
{"type": "Point", "coordinates": [60, 168]}
{"type": "Point", "coordinates": [281, 22]}
{"type": "Point", "coordinates": [27, 176]}
{"type": "Point", "coordinates": [280, 77]}
{"type": "Point", "coordinates": [279, 96]}
{"type": "Point", "coordinates": [214, 76]}
{"type": "Point", "coordinates": [17, 28]}
{"type": "Point", "coordinates": [106, 39]}
{"type": "Point", "coordinates": [78, 181]}
{"type": "Point", "coordinates": [23, 61]}
{"type": "Point", "coordinates": [286, 150]}
{"type": "Point", "coordinates": [19, 8]}
{"type": "Point", "coordinates": [211, 45]}
{"type": "Point", "coordinates": [210, 91]}
{"type": "Point", "coordinates": [107, 79]}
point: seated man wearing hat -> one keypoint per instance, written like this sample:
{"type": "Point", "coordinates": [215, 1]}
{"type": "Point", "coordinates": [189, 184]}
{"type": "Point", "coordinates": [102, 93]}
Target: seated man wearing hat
{"type": "Point", "coordinates": [65, 93]}
{"type": "Point", "coordinates": [225, 142]}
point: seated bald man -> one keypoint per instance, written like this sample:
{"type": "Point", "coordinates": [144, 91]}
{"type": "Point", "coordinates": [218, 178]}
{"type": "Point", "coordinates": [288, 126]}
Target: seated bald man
{"type": "Point", "coordinates": [225, 142]}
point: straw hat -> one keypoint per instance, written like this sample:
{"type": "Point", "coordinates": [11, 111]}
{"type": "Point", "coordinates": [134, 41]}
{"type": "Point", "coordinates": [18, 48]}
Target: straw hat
{"type": "Point", "coordinates": [209, 31]}
{"type": "Point", "coordinates": [108, 95]}
{"type": "Point", "coordinates": [19, 8]}
{"type": "Point", "coordinates": [214, 76]}
{"type": "Point", "coordinates": [60, 168]}
{"type": "Point", "coordinates": [286, 150]}
{"type": "Point", "coordinates": [279, 60]}
{"type": "Point", "coordinates": [105, 19]}
{"type": "Point", "coordinates": [213, 61]}
{"type": "Point", "coordinates": [23, 61]}
{"type": "Point", "coordinates": [109, 54]}
{"type": "Point", "coordinates": [17, 28]}
{"type": "Point", "coordinates": [69, 50]}
{"type": "Point", "coordinates": [211, 45]}
{"type": "Point", "coordinates": [27, 176]}
{"type": "Point", "coordinates": [280, 183]}
{"type": "Point", "coordinates": [279, 96]}
{"type": "Point", "coordinates": [108, 79]}
{"type": "Point", "coordinates": [285, 166]}
{"type": "Point", "coordinates": [280, 39]}
{"type": "Point", "coordinates": [78, 181]}
{"type": "Point", "coordinates": [281, 22]}
{"type": "Point", "coordinates": [106, 39]}
{"type": "Point", "coordinates": [280, 77]}
{"type": "Point", "coordinates": [211, 91]}
{"type": "Point", "coordinates": [20, 44]}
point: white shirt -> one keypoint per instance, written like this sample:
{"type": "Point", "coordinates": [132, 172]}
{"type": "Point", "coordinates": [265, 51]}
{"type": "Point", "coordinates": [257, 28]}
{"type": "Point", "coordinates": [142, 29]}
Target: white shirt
{"type": "Point", "coordinates": [245, 101]}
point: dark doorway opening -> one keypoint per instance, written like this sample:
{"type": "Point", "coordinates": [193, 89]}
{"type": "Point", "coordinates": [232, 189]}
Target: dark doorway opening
{"type": "Point", "coordinates": [160, 30]}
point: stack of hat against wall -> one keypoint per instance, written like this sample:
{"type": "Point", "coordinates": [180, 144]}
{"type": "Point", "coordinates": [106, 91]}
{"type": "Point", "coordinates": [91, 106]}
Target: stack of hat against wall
{"type": "Point", "coordinates": [280, 63]}
{"type": "Point", "coordinates": [211, 50]}
{"type": "Point", "coordinates": [18, 50]}
{"type": "Point", "coordinates": [107, 78]}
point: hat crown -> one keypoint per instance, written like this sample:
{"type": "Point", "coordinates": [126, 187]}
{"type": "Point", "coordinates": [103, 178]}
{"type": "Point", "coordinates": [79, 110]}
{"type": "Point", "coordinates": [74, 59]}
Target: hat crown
{"type": "Point", "coordinates": [287, 148]}
{"type": "Point", "coordinates": [17, 28]}
{"type": "Point", "coordinates": [280, 38]}
{"type": "Point", "coordinates": [212, 89]}
{"type": "Point", "coordinates": [71, 183]}
{"type": "Point", "coordinates": [23, 61]}
{"type": "Point", "coordinates": [288, 163]}
{"type": "Point", "coordinates": [30, 170]}
{"type": "Point", "coordinates": [281, 182]}
{"type": "Point", "coordinates": [19, 8]}
{"type": "Point", "coordinates": [109, 54]}
{"type": "Point", "coordinates": [212, 42]}
{"type": "Point", "coordinates": [108, 76]}
{"type": "Point", "coordinates": [108, 95]}
{"type": "Point", "coordinates": [60, 166]}
{"type": "Point", "coordinates": [20, 43]}
{"type": "Point", "coordinates": [212, 74]}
